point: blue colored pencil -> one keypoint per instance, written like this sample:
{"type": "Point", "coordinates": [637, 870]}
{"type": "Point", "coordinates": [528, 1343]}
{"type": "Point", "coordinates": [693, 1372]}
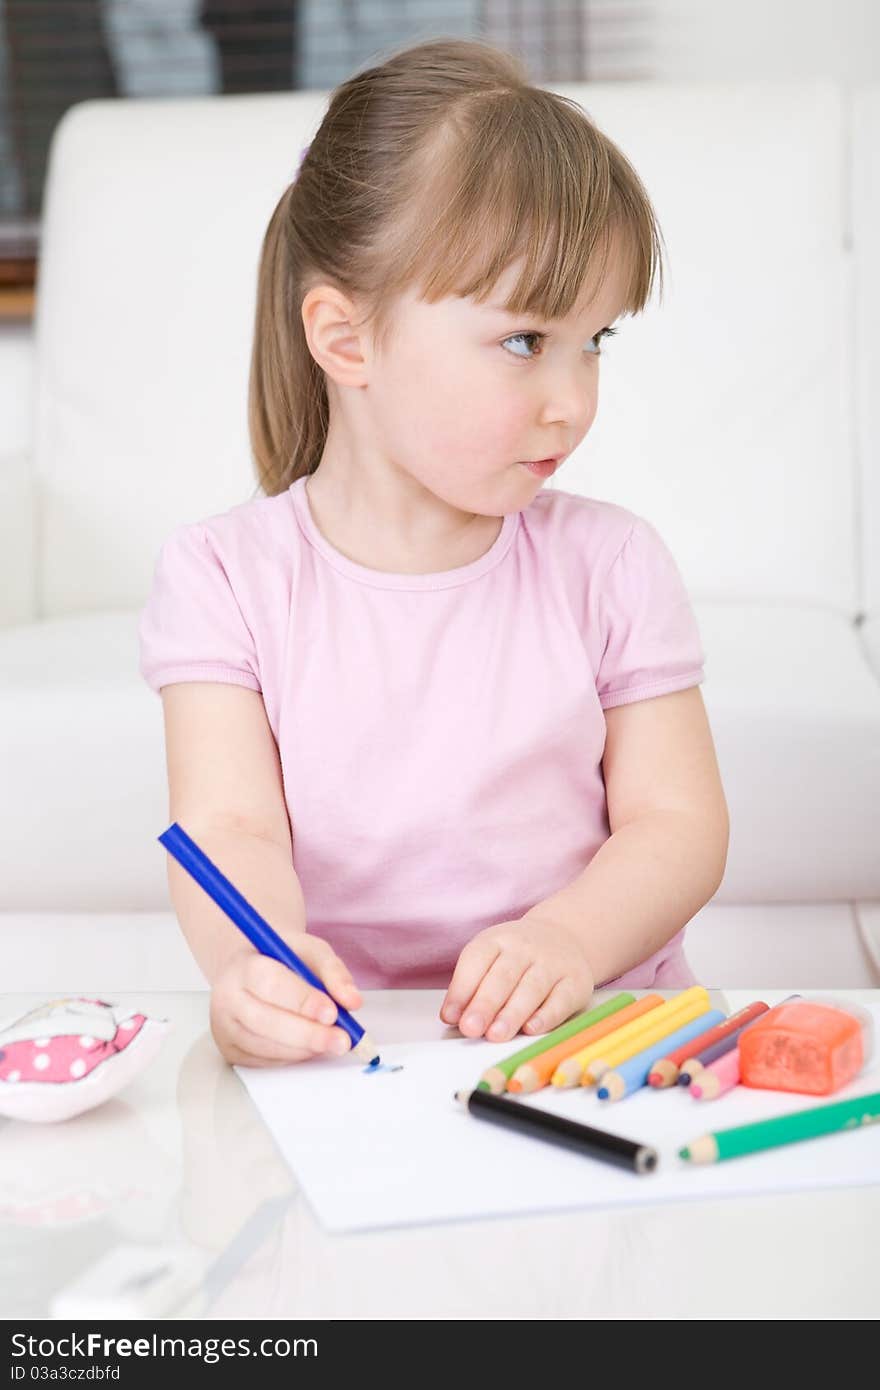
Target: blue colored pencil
{"type": "Point", "coordinates": [256, 928]}
{"type": "Point", "coordinates": [633, 1074]}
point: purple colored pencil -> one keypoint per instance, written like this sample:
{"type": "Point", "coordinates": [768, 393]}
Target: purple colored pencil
{"type": "Point", "coordinates": [718, 1049]}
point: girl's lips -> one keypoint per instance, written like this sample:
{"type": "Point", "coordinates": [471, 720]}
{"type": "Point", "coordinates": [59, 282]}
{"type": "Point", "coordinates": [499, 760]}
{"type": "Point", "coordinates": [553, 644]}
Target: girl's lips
{"type": "Point", "coordinates": [544, 468]}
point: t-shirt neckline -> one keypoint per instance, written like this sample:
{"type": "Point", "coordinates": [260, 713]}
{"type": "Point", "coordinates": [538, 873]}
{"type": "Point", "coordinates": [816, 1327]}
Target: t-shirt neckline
{"type": "Point", "coordinates": [384, 579]}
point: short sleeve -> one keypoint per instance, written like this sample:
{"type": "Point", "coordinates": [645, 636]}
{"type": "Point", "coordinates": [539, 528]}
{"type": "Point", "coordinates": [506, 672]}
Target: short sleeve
{"type": "Point", "coordinates": [192, 627]}
{"type": "Point", "coordinates": [651, 640]}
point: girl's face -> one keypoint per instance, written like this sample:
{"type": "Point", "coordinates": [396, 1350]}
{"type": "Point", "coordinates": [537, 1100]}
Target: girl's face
{"type": "Point", "coordinates": [467, 393]}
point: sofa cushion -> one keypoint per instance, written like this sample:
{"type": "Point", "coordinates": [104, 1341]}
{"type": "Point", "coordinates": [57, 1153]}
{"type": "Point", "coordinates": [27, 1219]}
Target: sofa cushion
{"type": "Point", "coordinates": [795, 712]}
{"type": "Point", "coordinates": [82, 748]}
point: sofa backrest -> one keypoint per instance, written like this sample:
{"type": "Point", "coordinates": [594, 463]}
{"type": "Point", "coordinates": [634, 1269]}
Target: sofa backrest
{"type": "Point", "coordinates": [866, 385]}
{"type": "Point", "coordinates": [726, 414]}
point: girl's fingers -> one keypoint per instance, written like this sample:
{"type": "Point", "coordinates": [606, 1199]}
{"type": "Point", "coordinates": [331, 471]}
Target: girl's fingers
{"type": "Point", "coordinates": [471, 967]}
{"type": "Point", "coordinates": [250, 1050]}
{"type": "Point", "coordinates": [281, 1028]}
{"type": "Point", "coordinates": [533, 992]}
{"type": "Point", "coordinates": [273, 983]}
{"type": "Point", "coordinates": [559, 1005]}
{"type": "Point", "coordinates": [276, 984]}
{"type": "Point", "coordinates": [333, 972]}
{"type": "Point", "coordinates": [493, 992]}
{"type": "Point", "coordinates": [342, 987]}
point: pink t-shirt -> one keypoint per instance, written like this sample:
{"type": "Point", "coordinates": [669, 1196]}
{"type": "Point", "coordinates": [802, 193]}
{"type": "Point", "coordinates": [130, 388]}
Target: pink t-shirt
{"type": "Point", "coordinates": [440, 735]}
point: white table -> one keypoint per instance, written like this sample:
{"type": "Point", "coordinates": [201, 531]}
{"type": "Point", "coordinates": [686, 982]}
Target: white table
{"type": "Point", "coordinates": [181, 1157]}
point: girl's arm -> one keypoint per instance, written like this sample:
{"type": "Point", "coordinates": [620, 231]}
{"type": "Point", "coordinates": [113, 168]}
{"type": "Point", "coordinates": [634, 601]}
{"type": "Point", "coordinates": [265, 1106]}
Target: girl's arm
{"type": "Point", "coordinates": [649, 878]}
{"type": "Point", "coordinates": [263, 873]}
{"type": "Point", "coordinates": [666, 855]}
{"type": "Point", "coordinates": [226, 791]}
{"type": "Point", "coordinates": [665, 858]}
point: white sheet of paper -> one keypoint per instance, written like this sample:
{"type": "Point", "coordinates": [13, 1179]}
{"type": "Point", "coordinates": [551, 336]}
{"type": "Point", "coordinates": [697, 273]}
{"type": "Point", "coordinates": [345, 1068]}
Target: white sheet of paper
{"type": "Point", "coordinates": [396, 1149]}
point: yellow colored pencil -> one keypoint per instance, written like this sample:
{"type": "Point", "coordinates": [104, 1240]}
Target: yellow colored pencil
{"type": "Point", "coordinates": [570, 1071]}
{"type": "Point", "coordinates": [659, 1028]}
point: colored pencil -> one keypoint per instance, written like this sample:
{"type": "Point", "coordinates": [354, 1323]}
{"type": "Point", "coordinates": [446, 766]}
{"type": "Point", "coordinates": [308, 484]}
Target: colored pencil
{"type": "Point", "coordinates": [257, 929]}
{"type": "Point", "coordinates": [570, 1071]}
{"type": "Point", "coordinates": [720, 1074]}
{"type": "Point", "coordinates": [531, 1076]}
{"type": "Point", "coordinates": [632, 1074]}
{"type": "Point", "coordinates": [812, 1123]}
{"type": "Point", "coordinates": [695, 1066]}
{"type": "Point", "coordinates": [725, 1039]}
{"type": "Point", "coordinates": [555, 1129]}
{"type": "Point", "coordinates": [498, 1075]}
{"type": "Point", "coordinates": [692, 1003]}
{"type": "Point", "coordinates": [718, 1077]}
{"type": "Point", "coordinates": [665, 1071]}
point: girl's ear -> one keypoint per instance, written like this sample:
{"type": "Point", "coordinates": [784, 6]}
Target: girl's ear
{"type": "Point", "coordinates": [329, 318]}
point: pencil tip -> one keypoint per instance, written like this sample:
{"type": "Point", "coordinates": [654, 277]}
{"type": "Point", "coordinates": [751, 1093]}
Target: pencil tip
{"type": "Point", "coordinates": [684, 1153]}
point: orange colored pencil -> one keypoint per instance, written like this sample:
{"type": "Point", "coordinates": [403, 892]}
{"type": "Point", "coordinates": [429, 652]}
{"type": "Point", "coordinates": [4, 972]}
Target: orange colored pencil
{"type": "Point", "coordinates": [660, 1023]}
{"type": "Point", "coordinates": [531, 1076]}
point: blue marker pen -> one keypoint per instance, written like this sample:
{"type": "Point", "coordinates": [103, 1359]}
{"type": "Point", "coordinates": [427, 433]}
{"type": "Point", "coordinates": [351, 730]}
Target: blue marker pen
{"type": "Point", "coordinates": [257, 929]}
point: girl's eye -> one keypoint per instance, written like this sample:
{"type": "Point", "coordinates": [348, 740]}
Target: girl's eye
{"type": "Point", "coordinates": [594, 350]}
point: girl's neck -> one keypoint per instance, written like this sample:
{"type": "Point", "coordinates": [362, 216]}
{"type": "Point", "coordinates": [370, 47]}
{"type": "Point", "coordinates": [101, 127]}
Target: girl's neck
{"type": "Point", "coordinates": [361, 530]}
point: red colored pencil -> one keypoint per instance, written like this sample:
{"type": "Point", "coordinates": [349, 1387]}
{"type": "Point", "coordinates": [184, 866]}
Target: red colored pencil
{"type": "Point", "coordinates": [665, 1071]}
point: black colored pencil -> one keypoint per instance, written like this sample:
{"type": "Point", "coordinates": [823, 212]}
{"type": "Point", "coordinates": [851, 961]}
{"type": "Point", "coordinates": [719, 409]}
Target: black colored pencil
{"type": "Point", "coordinates": [555, 1129]}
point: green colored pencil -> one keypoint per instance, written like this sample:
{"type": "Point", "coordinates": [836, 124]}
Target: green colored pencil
{"type": "Point", "coordinates": [498, 1075]}
{"type": "Point", "coordinates": [784, 1129]}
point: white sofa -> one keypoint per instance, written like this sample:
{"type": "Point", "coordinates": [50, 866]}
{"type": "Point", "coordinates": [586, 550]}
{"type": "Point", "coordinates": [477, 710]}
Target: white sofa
{"type": "Point", "coordinates": [740, 416]}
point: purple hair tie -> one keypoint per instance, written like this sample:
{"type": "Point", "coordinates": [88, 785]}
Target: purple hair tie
{"type": "Point", "coordinates": [303, 152]}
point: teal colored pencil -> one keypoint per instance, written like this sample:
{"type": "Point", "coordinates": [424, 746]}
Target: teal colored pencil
{"type": "Point", "coordinates": [784, 1129]}
{"type": "Point", "coordinates": [498, 1075]}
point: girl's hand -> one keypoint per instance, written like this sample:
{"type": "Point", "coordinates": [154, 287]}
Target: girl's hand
{"type": "Point", "coordinates": [531, 974]}
{"type": "Point", "coordinates": [263, 1014]}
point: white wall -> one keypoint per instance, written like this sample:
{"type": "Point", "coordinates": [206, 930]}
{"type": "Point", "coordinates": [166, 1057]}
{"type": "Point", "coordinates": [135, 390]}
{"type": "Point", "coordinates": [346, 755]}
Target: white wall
{"type": "Point", "coordinates": [729, 39]}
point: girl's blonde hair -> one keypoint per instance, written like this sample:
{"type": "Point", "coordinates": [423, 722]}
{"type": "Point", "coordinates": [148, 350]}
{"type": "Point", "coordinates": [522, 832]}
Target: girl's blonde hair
{"type": "Point", "coordinates": [437, 169]}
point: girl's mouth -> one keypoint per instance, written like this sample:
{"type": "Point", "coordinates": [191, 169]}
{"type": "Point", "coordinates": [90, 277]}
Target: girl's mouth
{"type": "Point", "coordinates": [543, 468]}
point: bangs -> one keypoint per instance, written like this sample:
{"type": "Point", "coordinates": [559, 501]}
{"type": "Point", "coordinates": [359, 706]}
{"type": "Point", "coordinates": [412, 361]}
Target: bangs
{"type": "Point", "coordinates": [544, 188]}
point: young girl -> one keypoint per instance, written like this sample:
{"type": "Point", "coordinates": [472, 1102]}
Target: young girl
{"type": "Point", "coordinates": [442, 728]}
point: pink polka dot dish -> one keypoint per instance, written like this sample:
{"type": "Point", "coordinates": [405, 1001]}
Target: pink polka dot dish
{"type": "Point", "coordinates": [69, 1055]}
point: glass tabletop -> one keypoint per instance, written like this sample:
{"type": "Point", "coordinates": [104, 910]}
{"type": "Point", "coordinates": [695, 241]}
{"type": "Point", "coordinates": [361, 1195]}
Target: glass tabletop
{"type": "Point", "coordinates": [180, 1159]}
